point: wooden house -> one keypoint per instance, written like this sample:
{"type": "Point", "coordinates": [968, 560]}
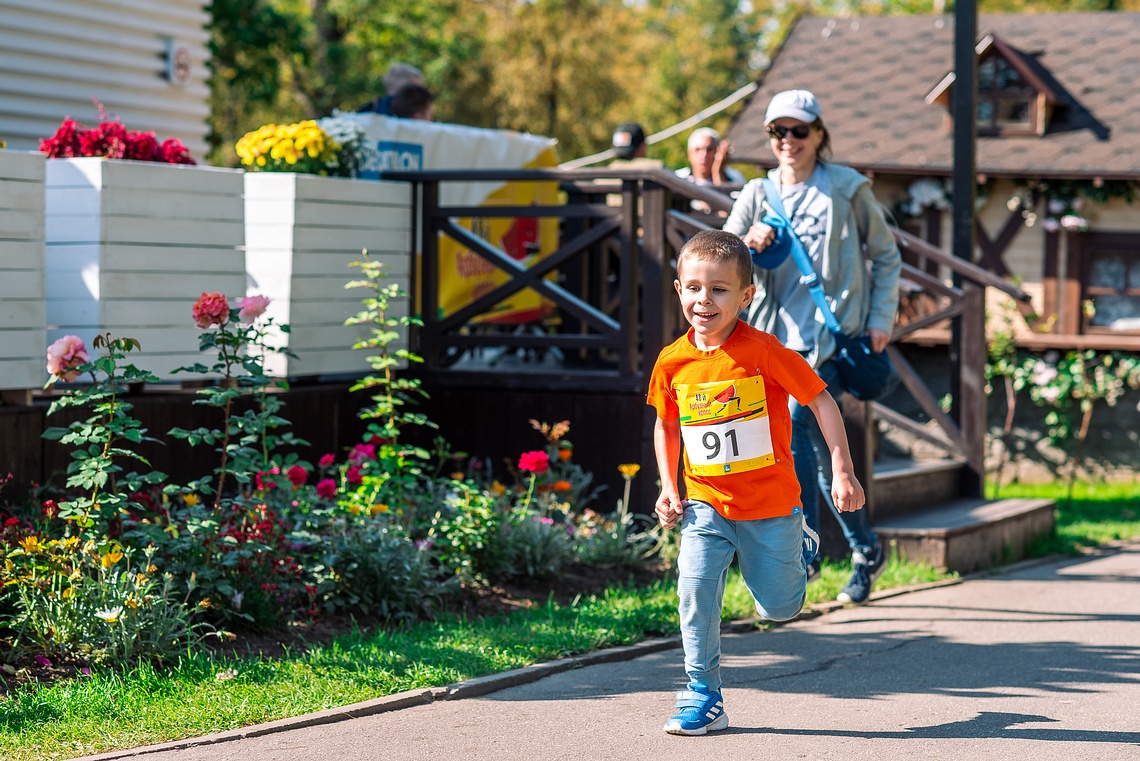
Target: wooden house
{"type": "Point", "coordinates": [144, 60]}
{"type": "Point", "coordinates": [1058, 149]}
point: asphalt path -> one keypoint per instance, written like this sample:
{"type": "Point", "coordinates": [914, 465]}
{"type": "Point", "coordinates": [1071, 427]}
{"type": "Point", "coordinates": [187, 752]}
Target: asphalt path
{"type": "Point", "coordinates": [1036, 663]}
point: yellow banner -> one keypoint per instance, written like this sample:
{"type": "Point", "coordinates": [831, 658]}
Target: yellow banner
{"type": "Point", "coordinates": [465, 275]}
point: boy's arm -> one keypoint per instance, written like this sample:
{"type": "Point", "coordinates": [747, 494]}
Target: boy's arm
{"type": "Point", "coordinates": [845, 488]}
{"type": "Point", "coordinates": [667, 447]}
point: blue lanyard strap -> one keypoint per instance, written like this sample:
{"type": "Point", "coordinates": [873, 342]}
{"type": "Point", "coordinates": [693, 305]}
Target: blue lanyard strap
{"type": "Point", "coordinates": [808, 276]}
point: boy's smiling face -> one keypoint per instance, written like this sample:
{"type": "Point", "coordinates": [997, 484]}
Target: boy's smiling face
{"type": "Point", "coordinates": [712, 296]}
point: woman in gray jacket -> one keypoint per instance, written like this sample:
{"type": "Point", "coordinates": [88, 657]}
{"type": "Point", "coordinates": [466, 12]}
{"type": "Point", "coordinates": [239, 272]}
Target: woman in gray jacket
{"type": "Point", "coordinates": [843, 229]}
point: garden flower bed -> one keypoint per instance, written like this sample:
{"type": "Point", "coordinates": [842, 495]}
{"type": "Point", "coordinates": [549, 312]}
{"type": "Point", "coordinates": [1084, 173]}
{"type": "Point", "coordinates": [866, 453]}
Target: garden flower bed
{"type": "Point", "coordinates": [120, 567]}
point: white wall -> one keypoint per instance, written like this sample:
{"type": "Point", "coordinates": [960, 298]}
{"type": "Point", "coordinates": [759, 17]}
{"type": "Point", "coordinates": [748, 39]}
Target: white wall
{"type": "Point", "coordinates": [56, 56]}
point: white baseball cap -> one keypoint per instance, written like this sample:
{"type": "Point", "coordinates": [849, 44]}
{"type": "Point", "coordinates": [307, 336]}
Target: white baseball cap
{"type": "Point", "coordinates": [793, 104]}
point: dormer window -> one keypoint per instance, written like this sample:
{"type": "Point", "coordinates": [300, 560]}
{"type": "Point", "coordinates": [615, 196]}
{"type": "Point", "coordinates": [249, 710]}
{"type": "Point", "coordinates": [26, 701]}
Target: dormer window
{"type": "Point", "coordinates": [1006, 102]}
{"type": "Point", "coordinates": [1013, 98]}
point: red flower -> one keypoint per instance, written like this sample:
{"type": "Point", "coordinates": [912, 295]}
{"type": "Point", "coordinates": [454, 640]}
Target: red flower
{"type": "Point", "coordinates": [11, 522]}
{"type": "Point", "coordinates": [210, 309]}
{"type": "Point", "coordinates": [327, 460]}
{"type": "Point", "coordinates": [352, 475]}
{"type": "Point", "coordinates": [173, 151]}
{"type": "Point", "coordinates": [142, 146]}
{"type": "Point", "coordinates": [265, 484]}
{"type": "Point", "coordinates": [297, 476]}
{"type": "Point", "coordinates": [111, 140]}
{"type": "Point", "coordinates": [326, 488]}
{"type": "Point", "coordinates": [534, 462]}
{"type": "Point", "coordinates": [64, 143]}
{"type": "Point", "coordinates": [362, 452]}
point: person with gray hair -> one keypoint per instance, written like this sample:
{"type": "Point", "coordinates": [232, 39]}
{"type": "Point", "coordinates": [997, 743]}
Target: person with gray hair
{"type": "Point", "coordinates": [708, 160]}
{"type": "Point", "coordinates": [398, 76]}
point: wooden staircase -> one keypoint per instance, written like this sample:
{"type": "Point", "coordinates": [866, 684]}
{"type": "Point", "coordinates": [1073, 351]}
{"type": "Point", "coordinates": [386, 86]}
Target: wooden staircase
{"type": "Point", "coordinates": [919, 512]}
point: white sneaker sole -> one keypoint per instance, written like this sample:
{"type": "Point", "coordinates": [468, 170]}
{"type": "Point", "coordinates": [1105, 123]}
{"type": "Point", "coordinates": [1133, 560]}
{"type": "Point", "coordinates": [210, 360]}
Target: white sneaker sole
{"type": "Point", "coordinates": [720, 722]}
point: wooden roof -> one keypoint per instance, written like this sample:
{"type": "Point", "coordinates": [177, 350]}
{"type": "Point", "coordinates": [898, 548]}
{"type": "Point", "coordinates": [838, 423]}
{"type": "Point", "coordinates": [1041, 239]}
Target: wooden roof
{"type": "Point", "coordinates": [872, 76]}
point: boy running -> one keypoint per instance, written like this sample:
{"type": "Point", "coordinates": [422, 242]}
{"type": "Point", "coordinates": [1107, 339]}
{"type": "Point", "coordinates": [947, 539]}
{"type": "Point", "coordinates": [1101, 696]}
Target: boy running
{"type": "Point", "coordinates": [722, 391]}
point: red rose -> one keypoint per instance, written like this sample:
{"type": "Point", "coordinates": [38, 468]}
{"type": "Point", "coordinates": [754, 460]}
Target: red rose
{"type": "Point", "coordinates": [534, 462]}
{"type": "Point", "coordinates": [210, 309]}
{"type": "Point", "coordinates": [326, 488]}
{"type": "Point", "coordinates": [297, 476]}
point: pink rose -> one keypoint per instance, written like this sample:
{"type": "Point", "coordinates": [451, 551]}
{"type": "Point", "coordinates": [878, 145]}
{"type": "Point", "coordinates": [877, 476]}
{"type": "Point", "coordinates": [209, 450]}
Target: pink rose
{"type": "Point", "coordinates": [326, 488]}
{"type": "Point", "coordinates": [63, 355]}
{"type": "Point", "coordinates": [362, 452]}
{"type": "Point", "coordinates": [210, 310]}
{"type": "Point", "coordinates": [534, 462]}
{"type": "Point", "coordinates": [297, 476]}
{"type": "Point", "coordinates": [327, 460]}
{"type": "Point", "coordinates": [353, 476]}
{"type": "Point", "coordinates": [252, 307]}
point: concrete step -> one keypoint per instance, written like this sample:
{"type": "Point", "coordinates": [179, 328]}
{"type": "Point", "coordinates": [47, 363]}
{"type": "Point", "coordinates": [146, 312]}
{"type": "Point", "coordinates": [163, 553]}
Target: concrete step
{"type": "Point", "coordinates": [903, 485]}
{"type": "Point", "coordinates": [969, 534]}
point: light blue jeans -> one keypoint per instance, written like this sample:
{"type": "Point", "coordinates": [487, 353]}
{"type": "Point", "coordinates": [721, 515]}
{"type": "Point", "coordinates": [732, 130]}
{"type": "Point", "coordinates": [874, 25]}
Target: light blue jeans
{"type": "Point", "coordinates": [812, 462]}
{"type": "Point", "coordinates": [772, 565]}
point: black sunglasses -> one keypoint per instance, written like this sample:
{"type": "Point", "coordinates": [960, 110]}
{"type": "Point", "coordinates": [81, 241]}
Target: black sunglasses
{"type": "Point", "coordinates": [799, 132]}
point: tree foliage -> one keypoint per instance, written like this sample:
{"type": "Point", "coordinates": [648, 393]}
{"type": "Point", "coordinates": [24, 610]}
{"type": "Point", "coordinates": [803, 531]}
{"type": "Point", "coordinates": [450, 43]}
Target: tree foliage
{"type": "Point", "coordinates": [570, 69]}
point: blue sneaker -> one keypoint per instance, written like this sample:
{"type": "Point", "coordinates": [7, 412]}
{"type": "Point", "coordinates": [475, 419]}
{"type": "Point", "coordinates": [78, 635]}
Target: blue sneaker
{"type": "Point", "coordinates": [697, 713]}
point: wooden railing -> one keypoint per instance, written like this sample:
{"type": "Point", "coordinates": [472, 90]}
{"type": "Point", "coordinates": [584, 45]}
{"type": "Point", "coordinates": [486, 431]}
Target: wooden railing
{"type": "Point", "coordinates": [610, 282]}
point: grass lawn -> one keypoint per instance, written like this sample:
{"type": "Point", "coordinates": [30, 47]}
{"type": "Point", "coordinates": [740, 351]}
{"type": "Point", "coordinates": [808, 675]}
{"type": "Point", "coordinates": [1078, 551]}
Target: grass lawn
{"type": "Point", "coordinates": [110, 710]}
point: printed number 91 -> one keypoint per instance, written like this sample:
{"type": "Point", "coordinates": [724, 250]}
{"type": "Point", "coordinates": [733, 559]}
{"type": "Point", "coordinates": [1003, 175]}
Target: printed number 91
{"type": "Point", "coordinates": [712, 443]}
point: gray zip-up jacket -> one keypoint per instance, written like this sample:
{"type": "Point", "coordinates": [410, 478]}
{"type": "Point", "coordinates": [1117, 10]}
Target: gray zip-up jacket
{"type": "Point", "coordinates": [857, 232]}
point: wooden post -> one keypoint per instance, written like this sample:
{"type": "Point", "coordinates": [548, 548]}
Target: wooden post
{"type": "Point", "coordinates": [971, 387]}
{"type": "Point", "coordinates": [429, 275]}
{"type": "Point", "coordinates": [655, 276]}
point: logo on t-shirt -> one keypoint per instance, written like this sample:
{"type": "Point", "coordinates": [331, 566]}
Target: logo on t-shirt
{"type": "Point", "coordinates": [724, 425]}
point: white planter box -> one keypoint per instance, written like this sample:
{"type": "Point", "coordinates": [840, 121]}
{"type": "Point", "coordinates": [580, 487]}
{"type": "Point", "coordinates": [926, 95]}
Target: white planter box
{"type": "Point", "coordinates": [131, 245]}
{"type": "Point", "coordinates": [23, 337]}
{"type": "Point", "coordinates": [302, 232]}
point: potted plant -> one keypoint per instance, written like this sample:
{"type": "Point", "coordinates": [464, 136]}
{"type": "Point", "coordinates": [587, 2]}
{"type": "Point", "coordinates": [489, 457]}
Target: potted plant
{"type": "Point", "coordinates": [306, 220]}
{"type": "Point", "coordinates": [131, 226]}
{"type": "Point", "coordinates": [22, 295]}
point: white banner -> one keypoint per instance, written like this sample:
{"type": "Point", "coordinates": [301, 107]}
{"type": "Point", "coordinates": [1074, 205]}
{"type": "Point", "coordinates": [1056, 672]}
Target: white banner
{"type": "Point", "coordinates": [412, 145]}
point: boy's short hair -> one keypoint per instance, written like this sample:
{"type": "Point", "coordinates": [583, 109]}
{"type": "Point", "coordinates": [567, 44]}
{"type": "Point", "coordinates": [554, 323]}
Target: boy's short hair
{"type": "Point", "coordinates": [720, 247]}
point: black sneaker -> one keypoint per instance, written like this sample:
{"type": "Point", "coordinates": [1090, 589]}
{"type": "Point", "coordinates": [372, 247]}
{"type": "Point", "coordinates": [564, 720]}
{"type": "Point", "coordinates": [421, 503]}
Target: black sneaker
{"type": "Point", "coordinates": [867, 568]}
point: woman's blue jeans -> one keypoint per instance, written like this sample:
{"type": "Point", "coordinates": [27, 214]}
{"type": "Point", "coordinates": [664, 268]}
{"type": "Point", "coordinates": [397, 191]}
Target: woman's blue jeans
{"type": "Point", "coordinates": [813, 467]}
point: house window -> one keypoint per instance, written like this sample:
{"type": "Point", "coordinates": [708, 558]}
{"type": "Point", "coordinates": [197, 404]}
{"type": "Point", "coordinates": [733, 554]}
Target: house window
{"type": "Point", "coordinates": [1006, 102]}
{"type": "Point", "coordinates": [1112, 289]}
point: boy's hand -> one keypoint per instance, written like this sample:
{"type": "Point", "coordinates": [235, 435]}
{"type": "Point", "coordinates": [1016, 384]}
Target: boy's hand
{"type": "Point", "coordinates": [668, 509]}
{"type": "Point", "coordinates": [847, 492]}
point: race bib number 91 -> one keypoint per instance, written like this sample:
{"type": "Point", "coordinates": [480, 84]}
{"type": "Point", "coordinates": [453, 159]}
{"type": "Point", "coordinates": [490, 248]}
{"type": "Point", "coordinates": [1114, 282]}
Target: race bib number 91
{"type": "Point", "coordinates": [724, 425]}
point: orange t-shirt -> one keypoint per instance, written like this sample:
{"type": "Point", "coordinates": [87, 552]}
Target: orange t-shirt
{"type": "Point", "coordinates": [732, 403]}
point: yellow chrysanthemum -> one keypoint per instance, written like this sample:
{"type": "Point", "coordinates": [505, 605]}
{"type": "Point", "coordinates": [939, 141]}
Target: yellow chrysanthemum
{"type": "Point", "coordinates": [110, 558]}
{"type": "Point", "coordinates": [629, 469]}
{"type": "Point", "coordinates": [190, 499]}
{"type": "Point", "coordinates": [378, 508]}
